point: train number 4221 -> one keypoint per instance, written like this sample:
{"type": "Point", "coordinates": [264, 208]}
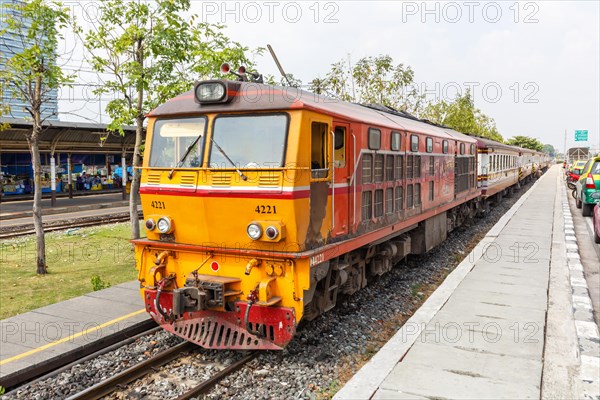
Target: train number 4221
{"type": "Point", "coordinates": [265, 210]}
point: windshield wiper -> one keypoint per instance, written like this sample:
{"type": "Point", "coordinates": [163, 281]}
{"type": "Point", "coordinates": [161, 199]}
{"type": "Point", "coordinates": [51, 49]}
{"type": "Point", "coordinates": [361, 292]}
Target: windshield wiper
{"type": "Point", "coordinates": [229, 159]}
{"type": "Point", "coordinates": [187, 153]}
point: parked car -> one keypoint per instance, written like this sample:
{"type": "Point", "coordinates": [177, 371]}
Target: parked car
{"type": "Point", "coordinates": [588, 187]}
{"type": "Point", "coordinates": [577, 167]}
{"type": "Point", "coordinates": [596, 223]}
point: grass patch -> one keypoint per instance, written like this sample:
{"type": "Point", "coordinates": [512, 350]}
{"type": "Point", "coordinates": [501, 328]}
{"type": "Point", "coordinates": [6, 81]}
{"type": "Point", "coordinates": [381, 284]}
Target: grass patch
{"type": "Point", "coordinates": [79, 261]}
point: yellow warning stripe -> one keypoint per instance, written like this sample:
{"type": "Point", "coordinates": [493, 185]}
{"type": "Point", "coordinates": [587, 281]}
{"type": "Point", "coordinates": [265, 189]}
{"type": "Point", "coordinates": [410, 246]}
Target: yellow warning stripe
{"type": "Point", "coordinates": [70, 337]}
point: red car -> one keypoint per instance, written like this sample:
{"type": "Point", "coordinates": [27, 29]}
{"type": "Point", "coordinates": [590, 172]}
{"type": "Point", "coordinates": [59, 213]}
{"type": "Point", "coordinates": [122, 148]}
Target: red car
{"type": "Point", "coordinates": [596, 223]}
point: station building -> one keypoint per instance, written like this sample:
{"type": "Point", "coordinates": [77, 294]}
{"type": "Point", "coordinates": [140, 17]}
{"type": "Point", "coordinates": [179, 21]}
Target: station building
{"type": "Point", "coordinates": [76, 156]}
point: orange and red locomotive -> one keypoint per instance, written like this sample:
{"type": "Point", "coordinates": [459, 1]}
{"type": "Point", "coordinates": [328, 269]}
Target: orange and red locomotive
{"type": "Point", "coordinates": [264, 204]}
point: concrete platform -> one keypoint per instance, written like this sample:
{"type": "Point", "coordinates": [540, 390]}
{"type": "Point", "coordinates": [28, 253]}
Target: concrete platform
{"type": "Point", "coordinates": [47, 334]}
{"type": "Point", "coordinates": [502, 325]}
{"type": "Point", "coordinates": [23, 209]}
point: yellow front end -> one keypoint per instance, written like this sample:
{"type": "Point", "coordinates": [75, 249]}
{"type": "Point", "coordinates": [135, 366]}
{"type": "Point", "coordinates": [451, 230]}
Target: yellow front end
{"type": "Point", "coordinates": [199, 258]}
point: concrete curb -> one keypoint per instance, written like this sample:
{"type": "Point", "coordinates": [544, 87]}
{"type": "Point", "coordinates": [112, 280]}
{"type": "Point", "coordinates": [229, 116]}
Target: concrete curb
{"type": "Point", "coordinates": [369, 378]}
{"type": "Point", "coordinates": [585, 326]}
{"type": "Point", "coordinates": [64, 210]}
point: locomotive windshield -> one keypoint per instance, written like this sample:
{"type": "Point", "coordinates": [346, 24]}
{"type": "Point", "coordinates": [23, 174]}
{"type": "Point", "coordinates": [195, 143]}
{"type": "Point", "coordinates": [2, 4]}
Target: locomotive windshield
{"type": "Point", "coordinates": [256, 141]}
{"type": "Point", "coordinates": [171, 140]}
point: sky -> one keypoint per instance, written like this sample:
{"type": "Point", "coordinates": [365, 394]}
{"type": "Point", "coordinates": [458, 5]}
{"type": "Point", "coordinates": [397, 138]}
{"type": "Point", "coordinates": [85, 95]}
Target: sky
{"type": "Point", "coordinates": [533, 66]}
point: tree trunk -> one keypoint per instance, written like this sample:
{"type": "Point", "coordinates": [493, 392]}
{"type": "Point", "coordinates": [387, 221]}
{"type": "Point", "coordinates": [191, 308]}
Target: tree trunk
{"type": "Point", "coordinates": [37, 202]}
{"type": "Point", "coordinates": [135, 183]}
{"type": "Point", "coordinates": [139, 131]}
{"type": "Point", "coordinates": [37, 177]}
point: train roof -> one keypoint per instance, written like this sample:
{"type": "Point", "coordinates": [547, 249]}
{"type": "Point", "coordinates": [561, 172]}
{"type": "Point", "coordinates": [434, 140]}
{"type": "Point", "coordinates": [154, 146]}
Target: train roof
{"type": "Point", "coordinates": [254, 97]}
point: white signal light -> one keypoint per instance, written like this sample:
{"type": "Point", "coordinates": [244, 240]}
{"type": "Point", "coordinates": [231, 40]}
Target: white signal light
{"type": "Point", "coordinates": [254, 231]}
{"type": "Point", "coordinates": [163, 225]}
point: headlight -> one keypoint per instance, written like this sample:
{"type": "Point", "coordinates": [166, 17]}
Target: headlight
{"type": "Point", "coordinates": [210, 92]}
{"type": "Point", "coordinates": [164, 225]}
{"type": "Point", "coordinates": [272, 232]}
{"type": "Point", "coordinates": [254, 231]}
{"type": "Point", "coordinates": [150, 224]}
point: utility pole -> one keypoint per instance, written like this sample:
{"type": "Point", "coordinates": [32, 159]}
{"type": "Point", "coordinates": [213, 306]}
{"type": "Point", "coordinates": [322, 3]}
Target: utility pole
{"type": "Point", "coordinates": [566, 156]}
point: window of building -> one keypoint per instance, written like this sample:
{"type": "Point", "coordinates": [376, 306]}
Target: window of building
{"type": "Point", "coordinates": [374, 139]}
{"type": "Point", "coordinates": [379, 168]}
{"type": "Point", "coordinates": [367, 206]}
{"type": "Point", "coordinates": [414, 143]}
{"type": "Point", "coordinates": [389, 201]}
{"type": "Point", "coordinates": [429, 145]}
{"type": "Point", "coordinates": [398, 199]}
{"type": "Point", "coordinates": [396, 141]}
{"type": "Point", "coordinates": [389, 168]}
{"type": "Point", "coordinates": [378, 203]}
{"type": "Point", "coordinates": [367, 168]}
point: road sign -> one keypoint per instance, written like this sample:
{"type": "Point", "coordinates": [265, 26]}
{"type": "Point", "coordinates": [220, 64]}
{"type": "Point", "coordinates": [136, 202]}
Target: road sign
{"type": "Point", "coordinates": [581, 136]}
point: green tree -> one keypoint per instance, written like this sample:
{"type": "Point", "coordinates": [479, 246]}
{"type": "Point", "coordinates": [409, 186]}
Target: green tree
{"type": "Point", "coordinates": [549, 149]}
{"type": "Point", "coordinates": [371, 80]}
{"type": "Point", "coordinates": [153, 54]}
{"type": "Point", "coordinates": [526, 142]}
{"type": "Point", "coordinates": [30, 75]}
{"type": "Point", "coordinates": [462, 116]}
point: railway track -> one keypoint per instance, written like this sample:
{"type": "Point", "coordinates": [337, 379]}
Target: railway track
{"type": "Point", "coordinates": [24, 230]}
{"type": "Point", "coordinates": [142, 369]}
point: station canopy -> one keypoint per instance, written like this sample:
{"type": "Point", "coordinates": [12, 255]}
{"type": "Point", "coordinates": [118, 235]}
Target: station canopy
{"type": "Point", "coordinates": [67, 137]}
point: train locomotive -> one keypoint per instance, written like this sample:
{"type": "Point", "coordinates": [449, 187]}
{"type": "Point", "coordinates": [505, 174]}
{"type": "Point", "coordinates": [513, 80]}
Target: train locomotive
{"type": "Point", "coordinates": [263, 205]}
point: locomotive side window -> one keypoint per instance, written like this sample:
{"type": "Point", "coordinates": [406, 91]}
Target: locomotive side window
{"type": "Point", "coordinates": [339, 146]}
{"type": "Point", "coordinates": [399, 164]}
{"type": "Point", "coordinates": [431, 166]}
{"type": "Point", "coordinates": [472, 149]}
{"type": "Point", "coordinates": [399, 200]}
{"type": "Point", "coordinates": [462, 148]}
{"type": "Point", "coordinates": [414, 143]}
{"type": "Point", "coordinates": [409, 166]}
{"type": "Point", "coordinates": [318, 149]}
{"type": "Point", "coordinates": [367, 206]}
{"type": "Point", "coordinates": [389, 168]}
{"type": "Point", "coordinates": [409, 196]}
{"type": "Point", "coordinates": [417, 167]}
{"type": "Point", "coordinates": [236, 137]}
{"type": "Point", "coordinates": [374, 139]}
{"type": "Point", "coordinates": [379, 168]}
{"type": "Point", "coordinates": [431, 189]}
{"type": "Point", "coordinates": [367, 168]}
{"type": "Point", "coordinates": [445, 147]}
{"type": "Point", "coordinates": [417, 194]}
{"type": "Point", "coordinates": [396, 139]}
{"type": "Point", "coordinates": [389, 201]}
{"type": "Point", "coordinates": [172, 138]}
{"type": "Point", "coordinates": [429, 145]}
{"type": "Point", "coordinates": [378, 203]}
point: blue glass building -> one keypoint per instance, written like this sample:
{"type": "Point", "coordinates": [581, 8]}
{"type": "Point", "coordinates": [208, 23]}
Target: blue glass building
{"type": "Point", "coordinates": [10, 44]}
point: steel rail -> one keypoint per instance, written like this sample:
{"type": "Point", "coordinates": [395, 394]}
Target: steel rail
{"type": "Point", "coordinates": [213, 380]}
{"type": "Point", "coordinates": [129, 375]}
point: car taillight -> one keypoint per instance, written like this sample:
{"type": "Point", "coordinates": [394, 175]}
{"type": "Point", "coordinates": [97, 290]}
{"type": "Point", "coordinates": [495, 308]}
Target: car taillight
{"type": "Point", "coordinates": [589, 182]}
